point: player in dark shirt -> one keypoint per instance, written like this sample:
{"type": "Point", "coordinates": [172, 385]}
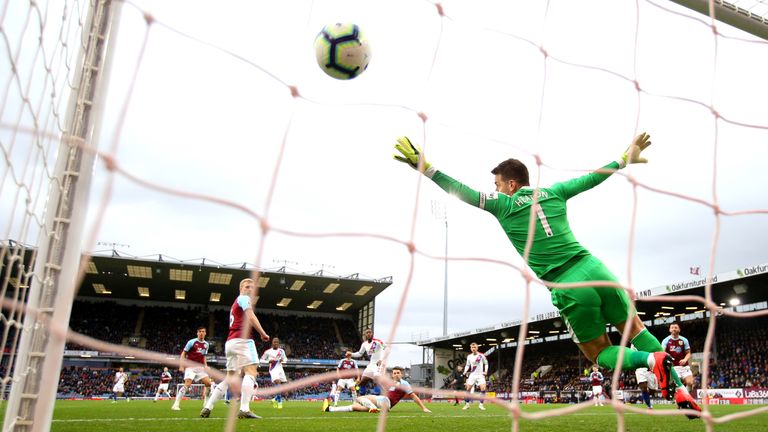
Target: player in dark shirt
{"type": "Point", "coordinates": [457, 382]}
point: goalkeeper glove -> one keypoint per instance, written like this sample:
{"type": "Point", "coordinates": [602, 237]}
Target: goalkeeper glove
{"type": "Point", "coordinates": [632, 153]}
{"type": "Point", "coordinates": [411, 154]}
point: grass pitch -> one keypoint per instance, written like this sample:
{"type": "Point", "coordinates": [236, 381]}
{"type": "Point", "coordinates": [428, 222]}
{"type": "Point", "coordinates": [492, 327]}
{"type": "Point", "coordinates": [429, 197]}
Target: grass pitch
{"type": "Point", "coordinates": [148, 416]}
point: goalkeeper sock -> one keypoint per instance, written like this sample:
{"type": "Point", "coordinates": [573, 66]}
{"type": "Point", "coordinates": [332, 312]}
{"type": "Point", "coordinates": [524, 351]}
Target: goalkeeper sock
{"type": "Point", "coordinates": [279, 398]}
{"type": "Point", "coordinates": [645, 341]}
{"type": "Point", "coordinates": [632, 359]}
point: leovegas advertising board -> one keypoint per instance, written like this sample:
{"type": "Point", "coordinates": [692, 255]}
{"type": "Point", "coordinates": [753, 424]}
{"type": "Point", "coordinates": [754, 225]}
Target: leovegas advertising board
{"type": "Point", "coordinates": [756, 393]}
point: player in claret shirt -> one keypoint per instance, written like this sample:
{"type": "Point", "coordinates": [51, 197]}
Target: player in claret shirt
{"type": "Point", "coordinates": [374, 404]}
{"type": "Point", "coordinates": [678, 347]}
{"type": "Point", "coordinates": [596, 378]}
{"type": "Point", "coordinates": [195, 350]}
{"type": "Point", "coordinates": [240, 349]}
{"type": "Point", "coordinates": [165, 381]}
{"type": "Point", "coordinates": [346, 364]}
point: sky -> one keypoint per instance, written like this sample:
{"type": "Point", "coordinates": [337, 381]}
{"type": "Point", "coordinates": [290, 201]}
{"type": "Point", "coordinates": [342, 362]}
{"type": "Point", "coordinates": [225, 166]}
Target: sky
{"type": "Point", "coordinates": [198, 103]}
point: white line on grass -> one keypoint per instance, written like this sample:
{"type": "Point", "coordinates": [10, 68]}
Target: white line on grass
{"type": "Point", "coordinates": [329, 417]}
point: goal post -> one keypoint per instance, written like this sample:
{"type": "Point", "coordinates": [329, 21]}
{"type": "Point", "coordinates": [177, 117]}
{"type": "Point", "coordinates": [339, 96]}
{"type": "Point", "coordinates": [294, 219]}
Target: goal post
{"type": "Point", "coordinates": [52, 285]}
{"type": "Point", "coordinates": [195, 391]}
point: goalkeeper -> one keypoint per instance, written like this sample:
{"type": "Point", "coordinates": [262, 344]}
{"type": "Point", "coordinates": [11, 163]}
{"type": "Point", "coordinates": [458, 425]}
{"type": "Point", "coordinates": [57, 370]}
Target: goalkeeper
{"type": "Point", "coordinates": [556, 256]}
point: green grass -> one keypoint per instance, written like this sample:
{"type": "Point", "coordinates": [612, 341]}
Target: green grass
{"type": "Point", "coordinates": [147, 416]}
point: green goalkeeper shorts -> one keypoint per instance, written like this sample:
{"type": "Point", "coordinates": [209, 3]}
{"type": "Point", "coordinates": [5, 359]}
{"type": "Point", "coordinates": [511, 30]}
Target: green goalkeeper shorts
{"type": "Point", "coordinates": [586, 310]}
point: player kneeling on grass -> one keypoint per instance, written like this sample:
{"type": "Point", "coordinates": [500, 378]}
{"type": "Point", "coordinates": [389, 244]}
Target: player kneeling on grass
{"type": "Point", "coordinates": [374, 404]}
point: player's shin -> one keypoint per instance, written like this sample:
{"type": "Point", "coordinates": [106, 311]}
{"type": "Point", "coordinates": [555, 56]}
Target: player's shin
{"type": "Point", "coordinates": [366, 403]}
{"type": "Point", "coordinates": [647, 398]}
{"type": "Point", "coordinates": [218, 391]}
{"type": "Point", "coordinates": [246, 392]}
{"type": "Point", "coordinates": [347, 408]}
{"type": "Point", "coordinates": [179, 395]}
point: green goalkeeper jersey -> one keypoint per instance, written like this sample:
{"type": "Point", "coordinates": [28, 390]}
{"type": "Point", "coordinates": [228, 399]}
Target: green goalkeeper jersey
{"type": "Point", "coordinates": [554, 245]}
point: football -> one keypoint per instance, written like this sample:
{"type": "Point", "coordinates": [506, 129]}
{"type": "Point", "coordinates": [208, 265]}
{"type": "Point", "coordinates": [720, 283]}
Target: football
{"type": "Point", "coordinates": [342, 51]}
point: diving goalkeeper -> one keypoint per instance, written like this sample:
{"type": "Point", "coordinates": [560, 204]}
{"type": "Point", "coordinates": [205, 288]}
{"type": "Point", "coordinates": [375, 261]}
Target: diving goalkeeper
{"type": "Point", "coordinates": [556, 256]}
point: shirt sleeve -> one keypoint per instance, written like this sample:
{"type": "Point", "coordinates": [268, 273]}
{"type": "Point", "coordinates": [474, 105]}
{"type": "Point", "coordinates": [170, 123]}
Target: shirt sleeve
{"type": "Point", "coordinates": [485, 363]}
{"type": "Point", "coordinates": [664, 343]}
{"type": "Point", "coordinates": [405, 386]}
{"type": "Point", "coordinates": [265, 356]}
{"type": "Point", "coordinates": [244, 302]}
{"type": "Point", "coordinates": [456, 188]}
{"type": "Point", "coordinates": [686, 344]}
{"type": "Point", "coordinates": [189, 345]}
{"type": "Point", "coordinates": [495, 203]}
{"type": "Point", "coordinates": [569, 189]}
{"type": "Point", "coordinates": [360, 352]}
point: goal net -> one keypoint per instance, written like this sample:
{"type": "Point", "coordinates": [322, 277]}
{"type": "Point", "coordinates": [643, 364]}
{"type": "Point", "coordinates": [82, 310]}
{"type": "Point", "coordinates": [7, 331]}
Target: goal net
{"type": "Point", "coordinates": [220, 136]}
{"type": "Point", "coordinates": [195, 391]}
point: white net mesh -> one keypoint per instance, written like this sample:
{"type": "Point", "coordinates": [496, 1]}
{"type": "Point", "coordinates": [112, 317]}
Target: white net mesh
{"type": "Point", "coordinates": [222, 113]}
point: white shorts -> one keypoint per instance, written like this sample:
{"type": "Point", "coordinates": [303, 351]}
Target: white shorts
{"type": "Point", "coordinates": [163, 387]}
{"type": "Point", "coordinates": [382, 403]}
{"type": "Point", "coordinates": [475, 379]}
{"type": "Point", "coordinates": [372, 371]}
{"type": "Point", "coordinates": [118, 388]}
{"type": "Point", "coordinates": [643, 375]}
{"type": "Point", "coordinates": [683, 371]}
{"type": "Point", "coordinates": [195, 373]}
{"type": "Point", "coordinates": [240, 353]}
{"type": "Point", "coordinates": [345, 383]}
{"type": "Point", "coordinates": [277, 375]}
{"type": "Point", "coordinates": [597, 390]}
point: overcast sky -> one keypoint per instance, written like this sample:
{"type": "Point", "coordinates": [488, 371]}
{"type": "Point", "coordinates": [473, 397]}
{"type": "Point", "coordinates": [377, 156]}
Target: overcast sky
{"type": "Point", "coordinates": [206, 115]}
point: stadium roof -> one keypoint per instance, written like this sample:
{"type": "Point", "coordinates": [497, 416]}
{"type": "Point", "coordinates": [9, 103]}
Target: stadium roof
{"type": "Point", "coordinates": [747, 287]}
{"type": "Point", "coordinates": [203, 282]}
